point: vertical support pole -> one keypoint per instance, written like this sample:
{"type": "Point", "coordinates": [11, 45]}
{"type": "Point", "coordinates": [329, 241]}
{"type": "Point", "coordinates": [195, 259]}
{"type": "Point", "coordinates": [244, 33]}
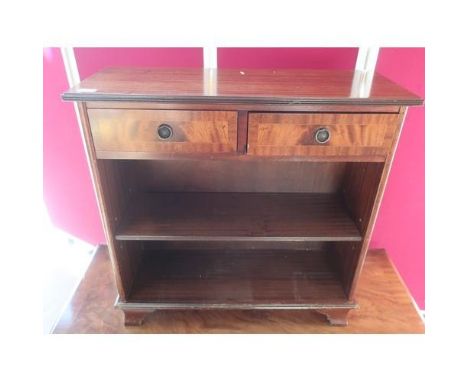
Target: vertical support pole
{"type": "Point", "coordinates": [367, 60]}
{"type": "Point", "coordinates": [73, 77]}
{"type": "Point", "coordinates": [210, 57]}
{"type": "Point", "coordinates": [364, 71]}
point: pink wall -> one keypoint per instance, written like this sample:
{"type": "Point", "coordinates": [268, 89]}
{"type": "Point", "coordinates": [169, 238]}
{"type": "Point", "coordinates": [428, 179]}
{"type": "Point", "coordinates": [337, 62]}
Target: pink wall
{"type": "Point", "coordinates": [67, 186]}
{"type": "Point", "coordinates": [68, 190]}
{"type": "Point", "coordinates": [400, 225]}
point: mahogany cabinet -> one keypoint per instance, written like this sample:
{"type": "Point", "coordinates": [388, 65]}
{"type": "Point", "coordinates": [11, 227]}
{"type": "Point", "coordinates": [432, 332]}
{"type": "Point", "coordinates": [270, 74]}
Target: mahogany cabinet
{"type": "Point", "coordinates": [239, 189]}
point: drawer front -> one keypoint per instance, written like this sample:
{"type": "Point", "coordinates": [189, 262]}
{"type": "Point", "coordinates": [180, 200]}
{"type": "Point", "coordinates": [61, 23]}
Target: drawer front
{"type": "Point", "coordinates": [156, 132]}
{"type": "Point", "coordinates": [283, 134]}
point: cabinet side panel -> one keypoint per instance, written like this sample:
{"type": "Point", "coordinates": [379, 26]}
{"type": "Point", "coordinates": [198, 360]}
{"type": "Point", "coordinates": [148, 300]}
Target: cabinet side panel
{"type": "Point", "coordinates": [117, 190]}
{"type": "Point", "coordinates": [363, 189]}
{"type": "Point", "coordinates": [109, 191]}
{"type": "Point", "coordinates": [359, 190]}
{"type": "Point", "coordinates": [344, 259]}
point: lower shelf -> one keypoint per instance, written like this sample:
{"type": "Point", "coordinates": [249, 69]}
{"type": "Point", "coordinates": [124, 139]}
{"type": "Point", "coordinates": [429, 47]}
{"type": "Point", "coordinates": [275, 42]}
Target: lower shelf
{"type": "Point", "coordinates": [265, 279]}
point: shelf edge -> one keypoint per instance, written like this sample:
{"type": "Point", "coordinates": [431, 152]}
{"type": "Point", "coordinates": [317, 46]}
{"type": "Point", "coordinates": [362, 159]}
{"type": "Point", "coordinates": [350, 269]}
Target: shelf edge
{"type": "Point", "coordinates": [127, 237]}
{"type": "Point", "coordinates": [228, 306]}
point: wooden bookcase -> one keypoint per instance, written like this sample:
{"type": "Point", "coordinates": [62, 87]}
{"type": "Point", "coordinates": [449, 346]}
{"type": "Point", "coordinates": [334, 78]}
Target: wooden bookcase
{"type": "Point", "coordinates": [238, 189]}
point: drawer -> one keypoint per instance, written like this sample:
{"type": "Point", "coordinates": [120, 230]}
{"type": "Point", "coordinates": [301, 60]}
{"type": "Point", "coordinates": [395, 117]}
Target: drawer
{"type": "Point", "coordinates": [139, 133]}
{"type": "Point", "coordinates": [288, 134]}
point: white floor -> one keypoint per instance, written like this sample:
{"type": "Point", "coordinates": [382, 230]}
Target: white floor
{"type": "Point", "coordinates": [64, 267]}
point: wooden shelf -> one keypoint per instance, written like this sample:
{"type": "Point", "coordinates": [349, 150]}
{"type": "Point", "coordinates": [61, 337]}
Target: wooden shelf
{"type": "Point", "coordinates": [237, 217]}
{"type": "Point", "coordinates": [228, 278]}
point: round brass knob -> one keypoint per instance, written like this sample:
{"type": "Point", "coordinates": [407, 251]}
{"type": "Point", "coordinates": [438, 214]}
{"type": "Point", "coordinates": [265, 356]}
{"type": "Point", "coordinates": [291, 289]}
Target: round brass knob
{"type": "Point", "coordinates": [164, 131]}
{"type": "Point", "coordinates": [322, 135]}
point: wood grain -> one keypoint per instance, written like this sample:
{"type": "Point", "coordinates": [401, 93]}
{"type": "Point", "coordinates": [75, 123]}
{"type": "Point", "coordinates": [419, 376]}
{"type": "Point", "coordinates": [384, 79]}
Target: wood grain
{"type": "Point", "coordinates": [384, 307]}
{"type": "Point", "coordinates": [236, 279]}
{"type": "Point", "coordinates": [272, 134]}
{"type": "Point", "coordinates": [136, 131]}
{"type": "Point", "coordinates": [290, 107]}
{"type": "Point", "coordinates": [338, 317]}
{"type": "Point", "coordinates": [236, 86]}
{"type": "Point", "coordinates": [135, 317]}
{"type": "Point", "coordinates": [362, 191]}
{"type": "Point", "coordinates": [104, 181]}
{"type": "Point", "coordinates": [380, 178]}
{"type": "Point", "coordinates": [214, 175]}
{"type": "Point", "coordinates": [359, 190]}
{"type": "Point", "coordinates": [237, 157]}
{"type": "Point", "coordinates": [242, 129]}
{"type": "Point", "coordinates": [237, 217]}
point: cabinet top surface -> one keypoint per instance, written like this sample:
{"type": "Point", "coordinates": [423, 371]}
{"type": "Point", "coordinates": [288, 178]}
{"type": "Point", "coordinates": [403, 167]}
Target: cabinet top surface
{"type": "Point", "coordinates": [266, 86]}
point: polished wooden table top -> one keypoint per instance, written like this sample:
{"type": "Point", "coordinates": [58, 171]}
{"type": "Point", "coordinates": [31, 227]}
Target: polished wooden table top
{"type": "Point", "coordinates": [385, 307]}
{"type": "Point", "coordinates": [267, 86]}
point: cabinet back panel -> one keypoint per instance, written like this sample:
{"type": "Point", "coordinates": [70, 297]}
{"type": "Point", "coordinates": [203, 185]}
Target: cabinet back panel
{"type": "Point", "coordinates": [235, 176]}
{"type": "Point", "coordinates": [223, 246]}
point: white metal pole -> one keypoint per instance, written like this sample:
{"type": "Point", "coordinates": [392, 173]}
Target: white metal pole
{"type": "Point", "coordinates": [364, 71]}
{"type": "Point", "coordinates": [210, 57]}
